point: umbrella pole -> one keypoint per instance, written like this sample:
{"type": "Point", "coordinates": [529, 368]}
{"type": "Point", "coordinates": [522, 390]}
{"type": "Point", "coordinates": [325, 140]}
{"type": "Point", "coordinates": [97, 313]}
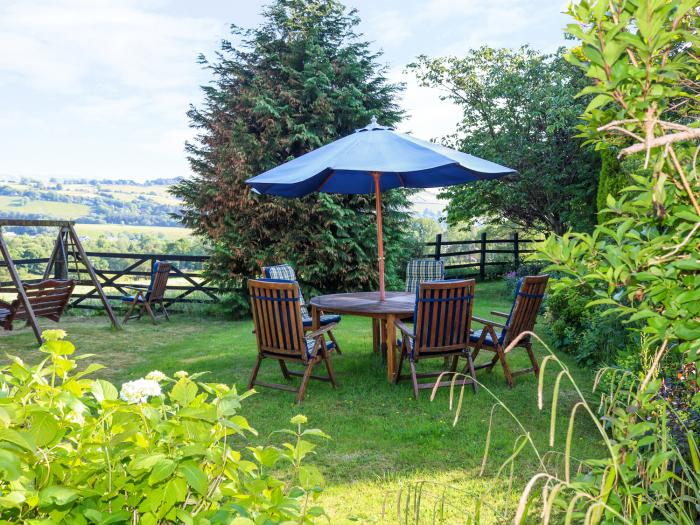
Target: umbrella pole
{"type": "Point", "coordinates": [380, 240]}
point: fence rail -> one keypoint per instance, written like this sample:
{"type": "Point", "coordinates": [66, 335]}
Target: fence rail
{"type": "Point", "coordinates": [193, 286]}
{"type": "Point", "coordinates": [478, 257]}
{"type": "Point", "coordinates": [138, 268]}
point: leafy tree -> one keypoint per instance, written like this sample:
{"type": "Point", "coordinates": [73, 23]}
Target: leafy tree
{"type": "Point", "coordinates": [519, 110]}
{"type": "Point", "coordinates": [300, 80]}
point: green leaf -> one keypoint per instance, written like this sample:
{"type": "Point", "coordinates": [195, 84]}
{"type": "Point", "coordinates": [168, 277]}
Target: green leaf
{"type": "Point", "coordinates": [43, 427]}
{"type": "Point", "coordinates": [9, 466]}
{"type": "Point", "coordinates": [56, 495]}
{"type": "Point", "coordinates": [162, 469]}
{"type": "Point", "coordinates": [184, 392]}
{"type": "Point", "coordinates": [58, 347]}
{"type": "Point", "coordinates": [103, 390]}
{"type": "Point", "coordinates": [195, 477]}
{"type": "Point", "coordinates": [310, 477]}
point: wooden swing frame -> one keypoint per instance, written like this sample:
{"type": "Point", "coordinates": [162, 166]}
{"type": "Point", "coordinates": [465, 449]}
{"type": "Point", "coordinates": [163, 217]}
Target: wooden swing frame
{"type": "Point", "coordinates": [58, 263]}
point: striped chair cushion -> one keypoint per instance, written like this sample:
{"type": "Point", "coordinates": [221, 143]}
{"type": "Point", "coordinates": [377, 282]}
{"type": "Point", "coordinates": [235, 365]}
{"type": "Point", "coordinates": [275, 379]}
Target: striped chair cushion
{"type": "Point", "coordinates": [423, 270]}
{"type": "Point", "coordinates": [286, 272]}
{"type": "Point", "coordinates": [310, 347]}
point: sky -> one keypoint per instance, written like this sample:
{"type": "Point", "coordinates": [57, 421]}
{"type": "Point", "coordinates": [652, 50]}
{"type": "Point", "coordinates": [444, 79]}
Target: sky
{"type": "Point", "coordinates": [100, 88]}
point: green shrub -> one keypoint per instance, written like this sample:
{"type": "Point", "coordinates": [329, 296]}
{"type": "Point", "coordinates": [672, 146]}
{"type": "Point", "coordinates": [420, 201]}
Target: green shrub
{"type": "Point", "coordinates": [163, 450]}
{"type": "Point", "coordinates": [587, 333]}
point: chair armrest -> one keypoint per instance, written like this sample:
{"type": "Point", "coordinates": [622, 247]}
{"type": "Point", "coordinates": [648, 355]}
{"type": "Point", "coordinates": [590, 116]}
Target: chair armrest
{"type": "Point", "coordinates": [135, 288]}
{"type": "Point", "coordinates": [499, 314]}
{"type": "Point", "coordinates": [320, 331]}
{"type": "Point", "coordinates": [487, 322]}
{"type": "Point", "coordinates": [404, 329]}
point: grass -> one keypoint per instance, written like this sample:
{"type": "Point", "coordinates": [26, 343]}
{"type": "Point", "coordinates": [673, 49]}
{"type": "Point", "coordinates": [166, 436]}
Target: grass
{"type": "Point", "coordinates": [383, 439]}
{"type": "Point", "coordinates": [64, 210]}
{"type": "Point", "coordinates": [171, 233]}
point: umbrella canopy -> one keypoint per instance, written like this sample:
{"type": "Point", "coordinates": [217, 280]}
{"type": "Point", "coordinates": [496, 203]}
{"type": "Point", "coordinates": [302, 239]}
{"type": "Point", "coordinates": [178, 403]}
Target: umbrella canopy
{"type": "Point", "coordinates": [348, 165]}
{"type": "Point", "coordinates": [371, 160]}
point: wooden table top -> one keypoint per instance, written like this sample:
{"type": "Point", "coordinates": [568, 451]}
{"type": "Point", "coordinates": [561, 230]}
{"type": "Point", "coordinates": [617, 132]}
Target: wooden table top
{"type": "Point", "coordinates": [368, 303]}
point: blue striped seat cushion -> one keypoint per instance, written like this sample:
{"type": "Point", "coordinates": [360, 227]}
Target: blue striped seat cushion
{"type": "Point", "coordinates": [488, 340]}
{"type": "Point", "coordinates": [325, 319]}
{"type": "Point", "coordinates": [310, 346]}
{"type": "Point", "coordinates": [130, 298]}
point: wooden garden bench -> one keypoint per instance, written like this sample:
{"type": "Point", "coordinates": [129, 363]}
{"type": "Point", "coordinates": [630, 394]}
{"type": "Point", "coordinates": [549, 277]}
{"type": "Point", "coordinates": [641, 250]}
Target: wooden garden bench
{"type": "Point", "coordinates": [47, 299]}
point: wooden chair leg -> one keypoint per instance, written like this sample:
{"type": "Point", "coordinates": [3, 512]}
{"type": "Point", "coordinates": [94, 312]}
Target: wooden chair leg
{"type": "Point", "coordinates": [414, 378]}
{"type": "Point", "coordinates": [256, 368]}
{"type": "Point", "coordinates": [129, 311]}
{"type": "Point", "coordinates": [500, 356]}
{"type": "Point", "coordinates": [142, 308]}
{"type": "Point", "coordinates": [329, 367]}
{"type": "Point", "coordinates": [337, 346]}
{"type": "Point", "coordinates": [285, 370]}
{"type": "Point", "coordinates": [402, 356]}
{"type": "Point", "coordinates": [165, 312]}
{"type": "Point", "coordinates": [305, 381]}
{"type": "Point", "coordinates": [472, 372]}
{"type": "Point", "coordinates": [533, 359]}
{"type": "Point", "coordinates": [147, 305]}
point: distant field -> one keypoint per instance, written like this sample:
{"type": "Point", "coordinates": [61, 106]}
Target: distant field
{"type": "Point", "coordinates": [169, 232]}
{"type": "Point", "coordinates": [64, 210]}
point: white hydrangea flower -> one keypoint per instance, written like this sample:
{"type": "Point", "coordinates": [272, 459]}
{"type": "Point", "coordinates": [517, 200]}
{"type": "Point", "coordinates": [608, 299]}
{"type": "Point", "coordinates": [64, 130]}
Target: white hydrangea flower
{"type": "Point", "coordinates": [139, 391]}
{"type": "Point", "coordinates": [156, 375]}
{"type": "Point", "coordinates": [181, 374]}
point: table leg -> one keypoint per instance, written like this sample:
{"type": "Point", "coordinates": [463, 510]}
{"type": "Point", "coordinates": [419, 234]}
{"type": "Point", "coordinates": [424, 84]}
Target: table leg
{"type": "Point", "coordinates": [390, 347]}
{"type": "Point", "coordinates": [315, 318]}
{"type": "Point", "coordinates": [376, 342]}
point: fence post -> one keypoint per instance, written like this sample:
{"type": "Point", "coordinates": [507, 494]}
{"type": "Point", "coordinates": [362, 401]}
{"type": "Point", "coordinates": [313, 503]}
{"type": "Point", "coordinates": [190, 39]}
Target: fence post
{"type": "Point", "coordinates": [482, 258]}
{"type": "Point", "coordinates": [438, 245]}
{"type": "Point", "coordinates": [516, 251]}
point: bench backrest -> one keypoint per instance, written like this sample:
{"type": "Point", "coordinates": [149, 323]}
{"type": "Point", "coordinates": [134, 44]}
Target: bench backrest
{"type": "Point", "coordinates": [47, 299]}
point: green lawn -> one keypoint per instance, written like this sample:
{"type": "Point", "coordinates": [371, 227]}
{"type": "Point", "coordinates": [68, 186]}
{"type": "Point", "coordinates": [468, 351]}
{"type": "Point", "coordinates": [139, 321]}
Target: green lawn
{"type": "Point", "coordinates": [383, 439]}
{"type": "Point", "coordinates": [61, 210]}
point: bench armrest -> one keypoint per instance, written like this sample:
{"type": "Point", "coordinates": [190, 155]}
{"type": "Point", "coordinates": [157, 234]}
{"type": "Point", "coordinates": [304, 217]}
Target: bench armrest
{"type": "Point", "coordinates": [499, 314]}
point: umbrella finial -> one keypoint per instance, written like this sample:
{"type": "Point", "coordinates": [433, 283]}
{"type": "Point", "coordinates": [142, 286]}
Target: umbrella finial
{"type": "Point", "coordinates": [374, 121]}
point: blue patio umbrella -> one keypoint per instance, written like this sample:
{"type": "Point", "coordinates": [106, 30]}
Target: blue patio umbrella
{"type": "Point", "coordinates": [371, 160]}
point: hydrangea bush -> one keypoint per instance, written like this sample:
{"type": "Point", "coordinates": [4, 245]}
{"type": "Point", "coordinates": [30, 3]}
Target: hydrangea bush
{"type": "Point", "coordinates": [160, 450]}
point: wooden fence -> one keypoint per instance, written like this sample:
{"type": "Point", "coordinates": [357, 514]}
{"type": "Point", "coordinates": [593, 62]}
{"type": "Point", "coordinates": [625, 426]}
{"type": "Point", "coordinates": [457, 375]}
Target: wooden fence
{"type": "Point", "coordinates": [479, 253]}
{"type": "Point", "coordinates": [187, 283]}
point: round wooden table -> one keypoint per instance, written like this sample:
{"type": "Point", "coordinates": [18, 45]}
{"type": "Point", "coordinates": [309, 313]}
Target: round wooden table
{"type": "Point", "coordinates": [397, 305]}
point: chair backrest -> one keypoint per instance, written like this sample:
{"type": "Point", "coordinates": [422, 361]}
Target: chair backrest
{"type": "Point", "coordinates": [422, 271]}
{"type": "Point", "coordinates": [442, 317]}
{"type": "Point", "coordinates": [277, 317]}
{"type": "Point", "coordinates": [159, 281]}
{"type": "Point", "coordinates": [529, 294]}
{"type": "Point", "coordinates": [47, 299]}
{"type": "Point", "coordinates": [285, 272]}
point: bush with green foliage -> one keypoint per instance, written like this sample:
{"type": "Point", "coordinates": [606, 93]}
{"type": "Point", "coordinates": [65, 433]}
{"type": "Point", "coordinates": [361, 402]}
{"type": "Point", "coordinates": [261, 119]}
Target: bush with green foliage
{"type": "Point", "coordinates": [299, 80]}
{"type": "Point", "coordinates": [643, 261]}
{"type": "Point", "coordinates": [591, 336]}
{"type": "Point", "coordinates": [75, 450]}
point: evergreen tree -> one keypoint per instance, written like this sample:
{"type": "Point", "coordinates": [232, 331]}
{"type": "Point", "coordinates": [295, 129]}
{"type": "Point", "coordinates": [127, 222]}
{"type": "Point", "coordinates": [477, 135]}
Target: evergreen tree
{"type": "Point", "coordinates": [301, 79]}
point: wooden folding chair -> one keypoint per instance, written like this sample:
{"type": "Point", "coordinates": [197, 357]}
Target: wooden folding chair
{"type": "Point", "coordinates": [146, 300]}
{"type": "Point", "coordinates": [46, 299]}
{"type": "Point", "coordinates": [280, 335]}
{"type": "Point", "coordinates": [441, 327]}
{"type": "Point", "coordinates": [286, 272]}
{"type": "Point", "coordinates": [522, 317]}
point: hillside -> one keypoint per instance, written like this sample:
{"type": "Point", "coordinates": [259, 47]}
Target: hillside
{"type": "Point", "coordinates": [99, 202]}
